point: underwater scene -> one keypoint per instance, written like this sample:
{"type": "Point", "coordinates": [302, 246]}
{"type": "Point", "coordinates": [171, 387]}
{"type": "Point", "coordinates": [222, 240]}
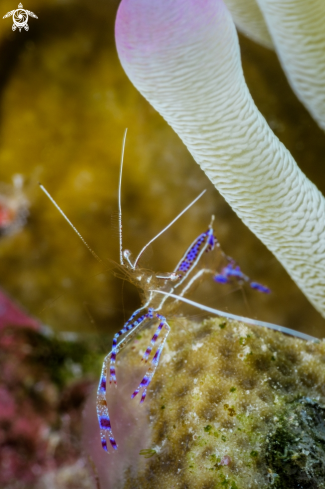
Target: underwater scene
{"type": "Point", "coordinates": [162, 244]}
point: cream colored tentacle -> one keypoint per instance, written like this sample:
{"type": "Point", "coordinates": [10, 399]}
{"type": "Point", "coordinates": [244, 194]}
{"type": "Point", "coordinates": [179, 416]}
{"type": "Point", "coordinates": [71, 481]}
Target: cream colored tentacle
{"type": "Point", "coordinates": [183, 56]}
{"type": "Point", "coordinates": [250, 21]}
{"type": "Point", "coordinates": [298, 31]}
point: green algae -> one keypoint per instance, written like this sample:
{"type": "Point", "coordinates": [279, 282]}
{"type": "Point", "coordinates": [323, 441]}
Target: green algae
{"type": "Point", "coordinates": [295, 452]}
{"type": "Point", "coordinates": [147, 453]}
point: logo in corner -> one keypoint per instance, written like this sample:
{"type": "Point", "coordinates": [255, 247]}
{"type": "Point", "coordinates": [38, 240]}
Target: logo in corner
{"type": "Point", "coordinates": [20, 18]}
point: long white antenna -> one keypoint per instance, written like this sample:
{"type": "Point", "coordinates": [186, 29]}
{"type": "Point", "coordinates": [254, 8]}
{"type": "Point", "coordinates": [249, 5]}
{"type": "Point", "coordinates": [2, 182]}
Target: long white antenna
{"type": "Point", "coordinates": [168, 226]}
{"type": "Point", "coordinates": [254, 322]}
{"type": "Point", "coordinates": [119, 200]}
{"type": "Point", "coordinates": [69, 222]}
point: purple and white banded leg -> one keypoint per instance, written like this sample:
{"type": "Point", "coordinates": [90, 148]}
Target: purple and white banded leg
{"type": "Point", "coordinates": [144, 384]}
{"type": "Point", "coordinates": [101, 404]}
{"type": "Point", "coordinates": [102, 410]}
{"type": "Point", "coordinates": [128, 327]}
{"type": "Point", "coordinates": [154, 338]}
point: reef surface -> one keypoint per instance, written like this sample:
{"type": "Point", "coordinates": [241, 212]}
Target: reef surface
{"type": "Point", "coordinates": [231, 406]}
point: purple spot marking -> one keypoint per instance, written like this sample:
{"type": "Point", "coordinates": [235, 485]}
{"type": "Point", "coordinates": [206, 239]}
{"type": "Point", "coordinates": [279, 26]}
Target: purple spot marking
{"type": "Point", "coordinates": [105, 423]}
{"type": "Point", "coordinates": [103, 384]}
{"type": "Point", "coordinates": [113, 443]}
{"type": "Point", "coordinates": [143, 396]}
{"type": "Point", "coordinates": [144, 381]}
{"type": "Point", "coordinates": [260, 288]}
{"type": "Point", "coordinates": [104, 445]}
{"type": "Point", "coordinates": [211, 240]}
{"type": "Point", "coordinates": [112, 374]}
{"type": "Point", "coordinates": [135, 393]}
{"type": "Point", "coordinates": [235, 272]}
{"type": "Point", "coordinates": [192, 253]}
{"type": "Point", "coordinates": [221, 279]}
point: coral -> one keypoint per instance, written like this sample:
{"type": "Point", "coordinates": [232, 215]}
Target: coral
{"type": "Point", "coordinates": [226, 409]}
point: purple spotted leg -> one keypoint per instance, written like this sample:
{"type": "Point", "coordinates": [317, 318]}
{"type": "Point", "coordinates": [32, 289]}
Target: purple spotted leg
{"type": "Point", "coordinates": [205, 242]}
{"type": "Point", "coordinates": [144, 384]}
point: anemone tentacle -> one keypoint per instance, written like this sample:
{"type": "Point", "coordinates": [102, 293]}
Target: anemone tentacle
{"type": "Point", "coordinates": [183, 56]}
{"type": "Point", "coordinates": [250, 21]}
{"type": "Point", "coordinates": [298, 32]}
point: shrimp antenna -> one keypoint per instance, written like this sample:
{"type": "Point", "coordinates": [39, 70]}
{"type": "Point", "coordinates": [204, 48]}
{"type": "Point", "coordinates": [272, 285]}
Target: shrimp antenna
{"type": "Point", "coordinates": [168, 226]}
{"type": "Point", "coordinates": [228, 315]}
{"type": "Point", "coordinates": [69, 222]}
{"type": "Point", "coordinates": [119, 200]}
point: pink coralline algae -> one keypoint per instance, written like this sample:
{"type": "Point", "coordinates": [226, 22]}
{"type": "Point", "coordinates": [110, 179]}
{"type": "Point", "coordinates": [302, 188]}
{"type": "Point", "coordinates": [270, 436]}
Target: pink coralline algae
{"type": "Point", "coordinates": [225, 460]}
{"type": "Point", "coordinates": [12, 314]}
{"type": "Point", "coordinates": [40, 405]}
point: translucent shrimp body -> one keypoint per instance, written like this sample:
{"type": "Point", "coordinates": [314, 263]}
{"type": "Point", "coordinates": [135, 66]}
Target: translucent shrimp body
{"type": "Point", "coordinates": [160, 296]}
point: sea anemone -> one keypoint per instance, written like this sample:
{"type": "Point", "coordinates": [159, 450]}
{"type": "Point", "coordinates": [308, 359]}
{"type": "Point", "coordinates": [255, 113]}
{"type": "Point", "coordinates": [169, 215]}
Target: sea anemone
{"type": "Point", "coordinates": [184, 57]}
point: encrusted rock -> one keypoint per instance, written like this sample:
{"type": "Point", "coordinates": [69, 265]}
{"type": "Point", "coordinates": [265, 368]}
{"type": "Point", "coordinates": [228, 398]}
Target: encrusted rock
{"type": "Point", "coordinates": [231, 406]}
{"type": "Point", "coordinates": [296, 449]}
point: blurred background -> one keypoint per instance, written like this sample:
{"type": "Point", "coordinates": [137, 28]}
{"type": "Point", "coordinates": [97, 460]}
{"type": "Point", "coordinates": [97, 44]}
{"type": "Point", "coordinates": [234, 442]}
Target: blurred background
{"type": "Point", "coordinates": [64, 105]}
